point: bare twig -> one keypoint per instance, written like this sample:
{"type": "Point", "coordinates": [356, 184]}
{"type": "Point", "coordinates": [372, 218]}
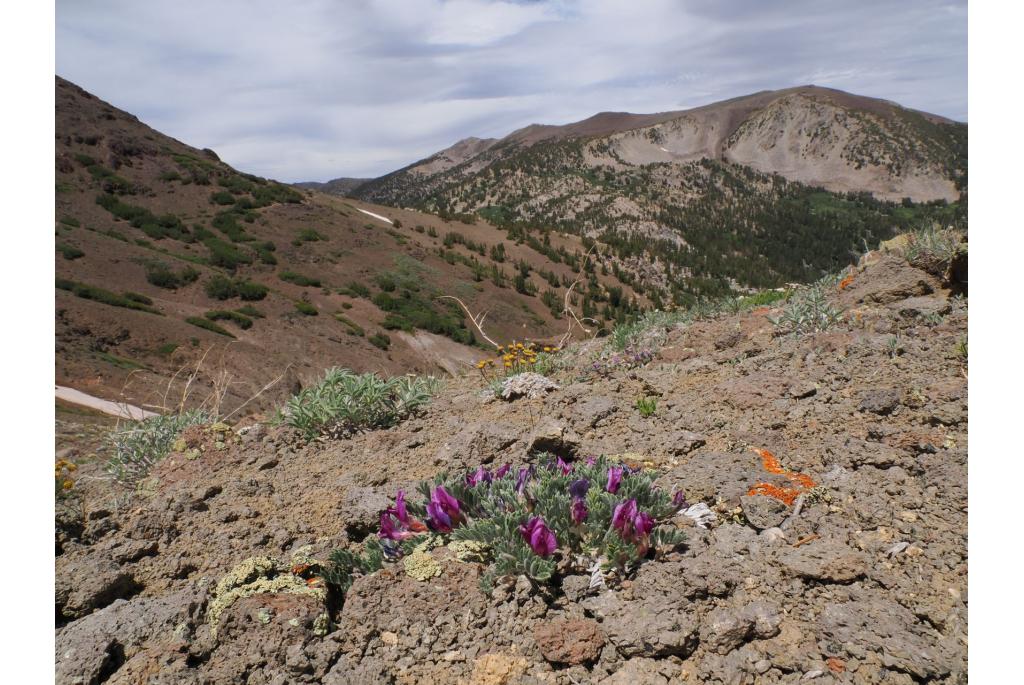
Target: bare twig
{"type": "Point", "coordinates": [266, 387]}
{"type": "Point", "coordinates": [568, 310]}
{"type": "Point", "coordinates": [478, 321]}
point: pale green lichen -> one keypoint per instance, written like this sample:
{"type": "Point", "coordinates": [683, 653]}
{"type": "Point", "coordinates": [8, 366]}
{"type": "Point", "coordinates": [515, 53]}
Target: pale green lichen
{"type": "Point", "coordinates": [469, 550]}
{"type": "Point", "coordinates": [264, 615]}
{"type": "Point", "coordinates": [256, 576]}
{"type": "Point", "coordinates": [421, 565]}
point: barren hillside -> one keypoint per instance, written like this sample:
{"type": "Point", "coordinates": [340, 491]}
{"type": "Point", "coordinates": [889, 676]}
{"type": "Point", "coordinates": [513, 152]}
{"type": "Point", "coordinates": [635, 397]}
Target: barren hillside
{"type": "Point", "coordinates": [168, 259]}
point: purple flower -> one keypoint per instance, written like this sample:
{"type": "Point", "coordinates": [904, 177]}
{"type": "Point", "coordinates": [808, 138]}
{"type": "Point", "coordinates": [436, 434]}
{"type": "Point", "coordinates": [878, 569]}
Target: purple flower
{"type": "Point", "coordinates": [524, 475]}
{"type": "Point", "coordinates": [502, 470]}
{"type": "Point", "coordinates": [579, 511]}
{"type": "Point", "coordinates": [679, 501]}
{"type": "Point", "coordinates": [400, 510]}
{"type": "Point", "coordinates": [563, 467]}
{"type": "Point", "coordinates": [481, 475]}
{"type": "Point", "coordinates": [643, 524]}
{"type": "Point", "coordinates": [539, 537]}
{"type": "Point", "coordinates": [614, 477]}
{"type": "Point", "coordinates": [578, 488]}
{"type": "Point", "coordinates": [622, 517]}
{"type": "Point", "coordinates": [443, 511]}
{"type": "Point", "coordinates": [395, 522]}
{"type": "Point", "coordinates": [437, 519]}
{"type": "Point", "coordinates": [591, 460]}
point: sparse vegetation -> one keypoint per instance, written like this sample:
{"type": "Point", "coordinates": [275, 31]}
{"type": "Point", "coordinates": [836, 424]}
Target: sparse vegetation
{"type": "Point", "coordinates": [647, 406]}
{"type": "Point", "coordinates": [808, 309]}
{"type": "Point", "coordinates": [306, 308]}
{"type": "Point", "coordinates": [224, 288]}
{"type": "Point", "coordinates": [299, 279]}
{"type": "Point", "coordinates": [201, 322]}
{"type": "Point", "coordinates": [91, 292]}
{"type": "Point", "coordinates": [345, 401]}
{"type": "Point", "coordinates": [69, 252]}
{"type": "Point", "coordinates": [381, 340]}
{"type": "Point", "coordinates": [139, 447]}
{"type": "Point", "coordinates": [163, 276]}
{"type": "Point", "coordinates": [242, 321]}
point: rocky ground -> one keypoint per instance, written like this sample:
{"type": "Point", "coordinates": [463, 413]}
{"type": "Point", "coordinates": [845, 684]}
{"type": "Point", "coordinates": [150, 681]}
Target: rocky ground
{"type": "Point", "coordinates": [861, 580]}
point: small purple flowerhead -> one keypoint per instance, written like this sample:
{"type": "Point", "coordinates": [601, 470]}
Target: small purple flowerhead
{"type": "Point", "coordinates": [438, 520]}
{"type": "Point", "coordinates": [622, 517]}
{"type": "Point", "coordinates": [578, 488]}
{"type": "Point", "coordinates": [539, 537]}
{"type": "Point", "coordinates": [562, 466]}
{"type": "Point", "coordinates": [591, 460]}
{"type": "Point", "coordinates": [444, 511]}
{"type": "Point", "coordinates": [679, 500]}
{"type": "Point", "coordinates": [579, 511]}
{"type": "Point", "coordinates": [502, 471]}
{"type": "Point", "coordinates": [481, 475]}
{"type": "Point", "coordinates": [525, 474]}
{"type": "Point", "coordinates": [400, 510]}
{"type": "Point", "coordinates": [643, 524]}
{"type": "Point", "coordinates": [614, 478]}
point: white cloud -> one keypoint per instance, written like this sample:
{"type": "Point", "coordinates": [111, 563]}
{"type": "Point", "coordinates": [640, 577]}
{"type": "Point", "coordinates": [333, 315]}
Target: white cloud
{"type": "Point", "coordinates": [314, 89]}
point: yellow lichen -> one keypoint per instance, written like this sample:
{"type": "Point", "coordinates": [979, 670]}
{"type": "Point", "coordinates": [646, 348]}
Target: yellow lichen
{"type": "Point", "coordinates": [469, 550]}
{"type": "Point", "coordinates": [421, 565]}
{"type": "Point", "coordinates": [256, 576]}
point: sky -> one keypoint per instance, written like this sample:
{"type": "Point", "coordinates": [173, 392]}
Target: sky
{"type": "Point", "coordinates": [318, 89]}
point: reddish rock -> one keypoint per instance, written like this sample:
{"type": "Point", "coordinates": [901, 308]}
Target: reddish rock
{"type": "Point", "coordinates": [569, 641]}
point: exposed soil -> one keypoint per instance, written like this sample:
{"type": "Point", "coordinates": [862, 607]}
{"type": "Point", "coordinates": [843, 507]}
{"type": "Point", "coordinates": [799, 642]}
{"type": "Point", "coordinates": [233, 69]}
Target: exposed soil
{"type": "Point", "coordinates": [862, 580]}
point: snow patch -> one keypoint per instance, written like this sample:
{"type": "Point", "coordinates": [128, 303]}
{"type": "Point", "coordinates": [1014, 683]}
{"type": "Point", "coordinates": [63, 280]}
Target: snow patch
{"type": "Point", "coordinates": [377, 216]}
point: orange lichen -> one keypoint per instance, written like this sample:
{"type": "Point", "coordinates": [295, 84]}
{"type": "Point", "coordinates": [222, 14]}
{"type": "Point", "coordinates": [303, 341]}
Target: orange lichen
{"type": "Point", "coordinates": [786, 495]}
{"type": "Point", "coordinates": [835, 665]}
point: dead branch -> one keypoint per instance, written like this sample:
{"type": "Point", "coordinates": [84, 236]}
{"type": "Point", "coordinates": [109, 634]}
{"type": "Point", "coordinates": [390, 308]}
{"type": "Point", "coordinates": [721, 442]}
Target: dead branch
{"type": "Point", "coordinates": [568, 310]}
{"type": "Point", "coordinates": [478, 321]}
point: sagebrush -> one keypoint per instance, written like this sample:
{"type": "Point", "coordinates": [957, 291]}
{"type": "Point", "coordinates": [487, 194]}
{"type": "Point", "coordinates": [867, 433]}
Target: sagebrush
{"type": "Point", "coordinates": [345, 401]}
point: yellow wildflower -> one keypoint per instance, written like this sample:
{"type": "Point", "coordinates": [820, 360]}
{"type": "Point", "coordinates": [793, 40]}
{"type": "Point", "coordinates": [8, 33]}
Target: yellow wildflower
{"type": "Point", "coordinates": [68, 484]}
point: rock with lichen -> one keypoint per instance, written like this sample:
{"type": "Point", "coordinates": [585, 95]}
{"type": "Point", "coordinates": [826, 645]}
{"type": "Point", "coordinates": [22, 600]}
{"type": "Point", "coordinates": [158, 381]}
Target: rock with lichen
{"type": "Point", "coordinates": [527, 384]}
{"type": "Point", "coordinates": [256, 576]}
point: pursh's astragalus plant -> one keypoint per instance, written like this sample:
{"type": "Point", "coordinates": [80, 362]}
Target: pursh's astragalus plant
{"type": "Point", "coordinates": [540, 522]}
{"type": "Point", "coordinates": [139, 446]}
{"type": "Point", "coordinates": [346, 401]}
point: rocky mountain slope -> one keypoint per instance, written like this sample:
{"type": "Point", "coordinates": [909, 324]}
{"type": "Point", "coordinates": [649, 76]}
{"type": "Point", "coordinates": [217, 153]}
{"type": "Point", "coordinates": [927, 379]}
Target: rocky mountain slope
{"type": "Point", "coordinates": [167, 259]}
{"type": "Point", "coordinates": [709, 193]}
{"type": "Point", "coordinates": [202, 576]}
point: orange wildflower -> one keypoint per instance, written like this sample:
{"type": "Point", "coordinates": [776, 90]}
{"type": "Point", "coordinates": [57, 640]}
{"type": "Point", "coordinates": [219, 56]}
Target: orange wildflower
{"type": "Point", "coordinates": [845, 282]}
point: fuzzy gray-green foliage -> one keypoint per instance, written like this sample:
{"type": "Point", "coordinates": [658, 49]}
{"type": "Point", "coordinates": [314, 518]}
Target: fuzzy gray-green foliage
{"type": "Point", "coordinates": [345, 401]}
{"type": "Point", "coordinates": [808, 309]}
{"type": "Point", "coordinates": [139, 446]}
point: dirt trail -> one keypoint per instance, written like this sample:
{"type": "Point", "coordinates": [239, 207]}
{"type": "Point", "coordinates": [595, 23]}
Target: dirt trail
{"type": "Point", "coordinates": [119, 409]}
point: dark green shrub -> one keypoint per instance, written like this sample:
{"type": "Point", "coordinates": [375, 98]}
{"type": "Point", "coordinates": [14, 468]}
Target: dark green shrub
{"type": "Point", "coordinates": [252, 292]}
{"type": "Point", "coordinates": [226, 255]}
{"type": "Point", "coordinates": [381, 340]}
{"type": "Point", "coordinates": [251, 311]}
{"type": "Point", "coordinates": [91, 292]}
{"type": "Point", "coordinates": [70, 221]}
{"type": "Point", "coordinates": [353, 327]}
{"type": "Point", "coordinates": [242, 321]}
{"type": "Point", "coordinates": [163, 276]}
{"type": "Point", "coordinates": [224, 288]}
{"type": "Point", "coordinates": [136, 297]}
{"type": "Point", "coordinates": [222, 197]}
{"type": "Point", "coordinates": [299, 279]}
{"type": "Point", "coordinates": [306, 308]}
{"type": "Point", "coordinates": [167, 349]}
{"type": "Point", "coordinates": [200, 322]}
{"type": "Point", "coordinates": [358, 289]}
{"type": "Point", "coordinates": [69, 252]}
